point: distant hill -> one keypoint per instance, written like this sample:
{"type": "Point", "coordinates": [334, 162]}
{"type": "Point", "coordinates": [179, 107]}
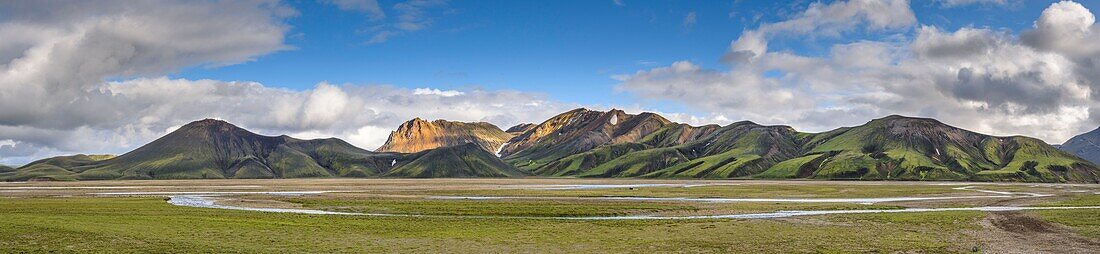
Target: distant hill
{"type": "Point", "coordinates": [217, 149]}
{"type": "Point", "coordinates": [1086, 146]}
{"type": "Point", "coordinates": [418, 135]}
{"type": "Point", "coordinates": [56, 168]}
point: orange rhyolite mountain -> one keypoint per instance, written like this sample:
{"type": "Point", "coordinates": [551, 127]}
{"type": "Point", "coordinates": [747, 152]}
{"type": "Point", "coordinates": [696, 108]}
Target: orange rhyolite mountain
{"type": "Point", "coordinates": [418, 135]}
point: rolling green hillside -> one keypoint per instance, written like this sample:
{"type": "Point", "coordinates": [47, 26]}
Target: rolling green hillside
{"type": "Point", "coordinates": [54, 168]}
{"type": "Point", "coordinates": [468, 160]}
{"type": "Point", "coordinates": [577, 131]}
{"type": "Point", "coordinates": [586, 143]}
{"type": "Point", "coordinates": [736, 150]}
{"type": "Point", "coordinates": [577, 164]}
{"type": "Point", "coordinates": [890, 148]}
{"type": "Point", "coordinates": [904, 148]}
{"type": "Point", "coordinates": [217, 149]}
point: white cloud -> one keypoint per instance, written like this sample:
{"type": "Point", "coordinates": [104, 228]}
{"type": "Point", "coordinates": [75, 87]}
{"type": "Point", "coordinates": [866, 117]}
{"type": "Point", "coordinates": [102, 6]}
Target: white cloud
{"type": "Point", "coordinates": [360, 114]}
{"type": "Point", "coordinates": [370, 137]}
{"type": "Point", "coordinates": [820, 19]}
{"type": "Point", "coordinates": [837, 17]}
{"type": "Point", "coordinates": [54, 98]}
{"type": "Point", "coordinates": [324, 111]}
{"type": "Point", "coordinates": [325, 106]}
{"type": "Point", "coordinates": [1067, 28]}
{"type": "Point", "coordinates": [81, 44]}
{"type": "Point", "coordinates": [437, 92]}
{"type": "Point", "coordinates": [977, 78]}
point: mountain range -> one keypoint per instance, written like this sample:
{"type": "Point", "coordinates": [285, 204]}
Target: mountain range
{"type": "Point", "coordinates": [588, 143]}
{"type": "Point", "coordinates": [1086, 146]}
{"type": "Point", "coordinates": [216, 149]}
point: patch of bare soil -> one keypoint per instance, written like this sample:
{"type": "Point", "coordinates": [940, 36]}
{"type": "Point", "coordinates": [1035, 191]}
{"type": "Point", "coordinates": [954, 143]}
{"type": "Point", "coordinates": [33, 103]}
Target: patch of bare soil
{"type": "Point", "coordinates": [1016, 232]}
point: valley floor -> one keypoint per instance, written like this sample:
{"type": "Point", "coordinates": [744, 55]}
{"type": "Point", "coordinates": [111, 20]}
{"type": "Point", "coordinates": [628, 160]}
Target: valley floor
{"type": "Point", "coordinates": [547, 215]}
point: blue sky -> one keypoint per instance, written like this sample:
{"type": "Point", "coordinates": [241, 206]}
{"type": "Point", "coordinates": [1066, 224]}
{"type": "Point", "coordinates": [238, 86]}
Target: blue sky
{"type": "Point", "coordinates": [566, 49]}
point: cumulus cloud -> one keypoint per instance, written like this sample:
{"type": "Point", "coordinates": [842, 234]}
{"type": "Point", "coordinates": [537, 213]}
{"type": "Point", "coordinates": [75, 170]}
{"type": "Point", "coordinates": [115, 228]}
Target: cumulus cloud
{"type": "Point", "coordinates": [430, 91]}
{"type": "Point", "coordinates": [361, 114]}
{"type": "Point", "coordinates": [1037, 84]}
{"type": "Point", "coordinates": [51, 81]}
{"type": "Point", "coordinates": [88, 77]}
{"type": "Point", "coordinates": [825, 20]}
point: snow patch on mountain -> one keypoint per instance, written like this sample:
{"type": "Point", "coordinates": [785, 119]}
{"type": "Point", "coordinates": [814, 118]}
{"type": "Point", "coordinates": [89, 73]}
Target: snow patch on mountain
{"type": "Point", "coordinates": [501, 148]}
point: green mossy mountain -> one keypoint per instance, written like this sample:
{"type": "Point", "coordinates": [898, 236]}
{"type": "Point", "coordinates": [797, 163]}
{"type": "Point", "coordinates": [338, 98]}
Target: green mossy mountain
{"type": "Point", "coordinates": [71, 161]}
{"type": "Point", "coordinates": [890, 148]}
{"type": "Point", "coordinates": [577, 131]}
{"type": "Point", "coordinates": [905, 148]}
{"type": "Point", "coordinates": [587, 143]}
{"type": "Point", "coordinates": [466, 160]}
{"type": "Point", "coordinates": [217, 149]}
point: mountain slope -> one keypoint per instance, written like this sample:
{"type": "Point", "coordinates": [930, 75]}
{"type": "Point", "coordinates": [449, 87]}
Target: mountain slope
{"type": "Point", "coordinates": [577, 131]}
{"type": "Point", "coordinates": [54, 168]}
{"type": "Point", "coordinates": [520, 128]}
{"type": "Point", "coordinates": [736, 150]}
{"type": "Point", "coordinates": [1086, 146]}
{"type": "Point", "coordinates": [890, 148]}
{"type": "Point", "coordinates": [680, 150]}
{"type": "Point", "coordinates": [905, 148]}
{"type": "Point", "coordinates": [579, 164]}
{"type": "Point", "coordinates": [418, 135]}
{"type": "Point", "coordinates": [466, 160]}
{"type": "Point", "coordinates": [217, 149]}
{"type": "Point", "coordinates": [72, 161]}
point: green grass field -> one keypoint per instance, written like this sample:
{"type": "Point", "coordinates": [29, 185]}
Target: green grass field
{"type": "Point", "coordinates": [151, 225]}
{"type": "Point", "coordinates": [75, 220]}
{"type": "Point", "coordinates": [747, 190]}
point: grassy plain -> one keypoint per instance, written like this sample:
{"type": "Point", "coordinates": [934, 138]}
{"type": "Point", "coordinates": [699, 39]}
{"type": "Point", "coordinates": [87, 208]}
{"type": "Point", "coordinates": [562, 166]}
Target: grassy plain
{"type": "Point", "coordinates": [71, 217]}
